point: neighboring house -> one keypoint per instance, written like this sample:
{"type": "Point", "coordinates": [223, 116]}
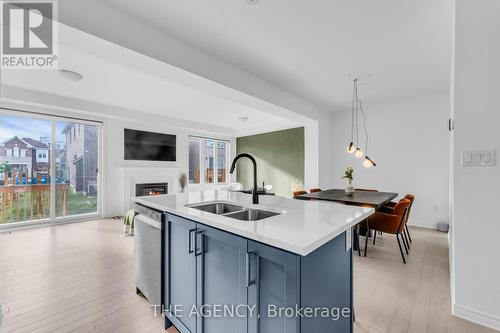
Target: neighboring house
{"type": "Point", "coordinates": [40, 157]}
{"type": "Point", "coordinates": [27, 157]}
{"type": "Point", "coordinates": [81, 157]}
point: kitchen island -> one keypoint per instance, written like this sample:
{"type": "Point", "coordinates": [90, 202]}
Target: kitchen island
{"type": "Point", "coordinates": [227, 267]}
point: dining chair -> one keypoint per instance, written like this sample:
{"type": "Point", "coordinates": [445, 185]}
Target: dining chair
{"type": "Point", "coordinates": [297, 193]}
{"type": "Point", "coordinates": [393, 223]}
{"type": "Point", "coordinates": [388, 208]}
{"type": "Point", "coordinates": [314, 190]}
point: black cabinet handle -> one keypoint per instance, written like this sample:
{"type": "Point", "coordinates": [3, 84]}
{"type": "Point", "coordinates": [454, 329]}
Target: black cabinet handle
{"type": "Point", "coordinates": [248, 257]}
{"type": "Point", "coordinates": [190, 236]}
{"type": "Point", "coordinates": [196, 252]}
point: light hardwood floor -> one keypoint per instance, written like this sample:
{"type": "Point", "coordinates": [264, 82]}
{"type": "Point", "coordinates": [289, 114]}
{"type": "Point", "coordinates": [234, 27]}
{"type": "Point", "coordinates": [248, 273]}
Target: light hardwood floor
{"type": "Point", "coordinates": [79, 278]}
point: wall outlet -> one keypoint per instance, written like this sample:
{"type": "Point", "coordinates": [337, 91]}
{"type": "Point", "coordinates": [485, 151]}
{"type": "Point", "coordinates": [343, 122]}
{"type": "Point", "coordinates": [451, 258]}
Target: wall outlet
{"type": "Point", "coordinates": [478, 158]}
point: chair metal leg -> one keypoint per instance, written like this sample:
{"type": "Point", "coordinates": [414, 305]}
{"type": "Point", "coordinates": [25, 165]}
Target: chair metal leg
{"type": "Point", "coordinates": [406, 238]}
{"type": "Point", "coordinates": [401, 249]}
{"type": "Point", "coordinates": [404, 243]}
{"type": "Point", "coordinates": [408, 231]}
{"type": "Point", "coordinates": [356, 240]}
{"type": "Point", "coordinates": [366, 236]}
{"type": "Point", "coordinates": [374, 237]}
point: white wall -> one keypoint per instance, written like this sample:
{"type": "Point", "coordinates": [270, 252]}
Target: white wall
{"type": "Point", "coordinates": [476, 226]}
{"type": "Point", "coordinates": [409, 143]}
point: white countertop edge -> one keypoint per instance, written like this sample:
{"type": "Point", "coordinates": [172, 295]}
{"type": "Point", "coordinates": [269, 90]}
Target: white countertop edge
{"type": "Point", "coordinates": [303, 251]}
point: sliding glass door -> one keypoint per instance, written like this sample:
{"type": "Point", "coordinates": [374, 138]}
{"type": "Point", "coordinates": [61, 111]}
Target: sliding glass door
{"type": "Point", "coordinates": [48, 169]}
{"type": "Point", "coordinates": [25, 149]}
{"type": "Point", "coordinates": [76, 168]}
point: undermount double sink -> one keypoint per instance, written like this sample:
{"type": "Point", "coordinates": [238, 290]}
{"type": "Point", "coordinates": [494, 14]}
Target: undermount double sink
{"type": "Point", "coordinates": [234, 211]}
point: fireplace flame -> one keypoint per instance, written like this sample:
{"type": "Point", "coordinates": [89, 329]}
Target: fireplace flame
{"type": "Point", "coordinates": [153, 193]}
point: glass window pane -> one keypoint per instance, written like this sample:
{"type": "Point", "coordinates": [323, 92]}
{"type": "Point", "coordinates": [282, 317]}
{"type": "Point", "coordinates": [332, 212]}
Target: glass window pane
{"type": "Point", "coordinates": [194, 161]}
{"type": "Point", "coordinates": [24, 168]}
{"type": "Point", "coordinates": [77, 159]}
{"type": "Point", "coordinates": [221, 161]}
{"type": "Point", "coordinates": [208, 160]}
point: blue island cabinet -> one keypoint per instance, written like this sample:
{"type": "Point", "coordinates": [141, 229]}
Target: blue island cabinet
{"type": "Point", "coordinates": [216, 282]}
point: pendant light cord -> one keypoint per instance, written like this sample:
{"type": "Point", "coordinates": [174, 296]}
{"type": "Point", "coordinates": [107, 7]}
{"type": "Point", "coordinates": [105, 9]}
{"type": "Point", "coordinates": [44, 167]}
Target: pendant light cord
{"type": "Point", "coordinates": [357, 111]}
{"type": "Point", "coordinates": [352, 111]}
{"type": "Point", "coordinates": [364, 125]}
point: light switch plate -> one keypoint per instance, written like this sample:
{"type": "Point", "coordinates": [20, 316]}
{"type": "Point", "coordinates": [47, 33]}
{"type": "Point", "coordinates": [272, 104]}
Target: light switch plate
{"type": "Point", "coordinates": [478, 158]}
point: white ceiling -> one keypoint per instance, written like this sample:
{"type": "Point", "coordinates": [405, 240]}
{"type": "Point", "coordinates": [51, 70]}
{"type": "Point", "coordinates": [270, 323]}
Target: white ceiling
{"type": "Point", "coordinates": [310, 47]}
{"type": "Point", "coordinates": [122, 78]}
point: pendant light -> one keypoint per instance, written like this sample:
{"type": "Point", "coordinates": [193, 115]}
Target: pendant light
{"type": "Point", "coordinates": [368, 162]}
{"type": "Point", "coordinates": [356, 108]}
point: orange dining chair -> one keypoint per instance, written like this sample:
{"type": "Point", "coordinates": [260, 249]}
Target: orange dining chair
{"type": "Point", "coordinates": [313, 190]}
{"type": "Point", "coordinates": [392, 223]}
{"type": "Point", "coordinates": [389, 207]}
{"type": "Point", "coordinates": [297, 193]}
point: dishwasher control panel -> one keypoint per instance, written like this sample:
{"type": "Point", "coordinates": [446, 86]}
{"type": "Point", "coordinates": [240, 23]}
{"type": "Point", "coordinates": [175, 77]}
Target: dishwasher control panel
{"type": "Point", "coordinates": [151, 213]}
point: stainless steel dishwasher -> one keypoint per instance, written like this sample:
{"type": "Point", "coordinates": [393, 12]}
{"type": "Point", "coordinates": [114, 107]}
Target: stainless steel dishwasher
{"type": "Point", "coordinates": [147, 253]}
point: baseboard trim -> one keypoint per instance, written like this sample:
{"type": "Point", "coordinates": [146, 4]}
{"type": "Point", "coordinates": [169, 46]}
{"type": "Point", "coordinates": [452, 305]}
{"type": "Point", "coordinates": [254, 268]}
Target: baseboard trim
{"type": "Point", "coordinates": [475, 316]}
{"type": "Point", "coordinates": [423, 226]}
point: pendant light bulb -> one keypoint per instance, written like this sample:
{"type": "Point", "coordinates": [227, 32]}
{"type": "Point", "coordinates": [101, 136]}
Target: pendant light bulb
{"type": "Point", "coordinates": [350, 148]}
{"type": "Point", "coordinates": [358, 153]}
{"type": "Point", "coordinates": [368, 162]}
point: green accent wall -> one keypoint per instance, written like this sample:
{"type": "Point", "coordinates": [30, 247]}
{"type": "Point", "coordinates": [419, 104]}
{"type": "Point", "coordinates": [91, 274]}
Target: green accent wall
{"type": "Point", "coordinates": [280, 160]}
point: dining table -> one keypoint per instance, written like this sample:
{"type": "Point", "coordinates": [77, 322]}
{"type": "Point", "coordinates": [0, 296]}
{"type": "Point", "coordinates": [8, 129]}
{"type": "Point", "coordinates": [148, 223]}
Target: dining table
{"type": "Point", "coordinates": [373, 199]}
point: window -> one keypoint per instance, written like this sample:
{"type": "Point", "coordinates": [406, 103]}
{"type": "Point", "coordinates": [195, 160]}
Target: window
{"type": "Point", "coordinates": [207, 161]}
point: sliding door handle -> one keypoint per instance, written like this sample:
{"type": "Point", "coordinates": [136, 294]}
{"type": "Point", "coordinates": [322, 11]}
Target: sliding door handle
{"type": "Point", "coordinates": [190, 238]}
{"type": "Point", "coordinates": [202, 246]}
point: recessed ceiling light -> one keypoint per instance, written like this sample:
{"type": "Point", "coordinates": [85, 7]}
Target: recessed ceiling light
{"type": "Point", "coordinates": [70, 75]}
{"type": "Point", "coordinates": [243, 118]}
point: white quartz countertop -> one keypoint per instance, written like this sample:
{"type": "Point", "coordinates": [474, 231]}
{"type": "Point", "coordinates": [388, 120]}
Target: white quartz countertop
{"type": "Point", "coordinates": [302, 227]}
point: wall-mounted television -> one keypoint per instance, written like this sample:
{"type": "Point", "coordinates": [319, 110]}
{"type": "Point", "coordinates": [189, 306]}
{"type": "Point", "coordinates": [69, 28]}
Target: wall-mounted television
{"type": "Point", "coordinates": [149, 146]}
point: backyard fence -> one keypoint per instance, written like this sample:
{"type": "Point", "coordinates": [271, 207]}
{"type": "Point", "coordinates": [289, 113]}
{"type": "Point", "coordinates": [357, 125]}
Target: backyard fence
{"type": "Point", "coordinates": [28, 202]}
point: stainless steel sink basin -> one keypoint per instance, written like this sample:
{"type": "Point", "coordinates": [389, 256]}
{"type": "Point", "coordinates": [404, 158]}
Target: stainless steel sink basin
{"type": "Point", "coordinates": [218, 208]}
{"type": "Point", "coordinates": [251, 215]}
{"type": "Point", "coordinates": [234, 211]}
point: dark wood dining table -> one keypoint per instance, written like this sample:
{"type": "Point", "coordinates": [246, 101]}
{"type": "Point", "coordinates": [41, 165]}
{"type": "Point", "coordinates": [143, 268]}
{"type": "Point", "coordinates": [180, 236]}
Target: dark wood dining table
{"type": "Point", "coordinates": [358, 198]}
{"type": "Point", "coordinates": [373, 199]}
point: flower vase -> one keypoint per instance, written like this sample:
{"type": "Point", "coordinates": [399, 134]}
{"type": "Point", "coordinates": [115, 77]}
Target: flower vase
{"type": "Point", "coordinates": [349, 190]}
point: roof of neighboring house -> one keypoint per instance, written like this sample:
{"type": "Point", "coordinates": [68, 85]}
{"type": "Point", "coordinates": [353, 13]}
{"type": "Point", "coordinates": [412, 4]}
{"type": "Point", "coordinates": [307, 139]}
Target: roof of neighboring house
{"type": "Point", "coordinates": [36, 143]}
{"type": "Point", "coordinates": [18, 138]}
